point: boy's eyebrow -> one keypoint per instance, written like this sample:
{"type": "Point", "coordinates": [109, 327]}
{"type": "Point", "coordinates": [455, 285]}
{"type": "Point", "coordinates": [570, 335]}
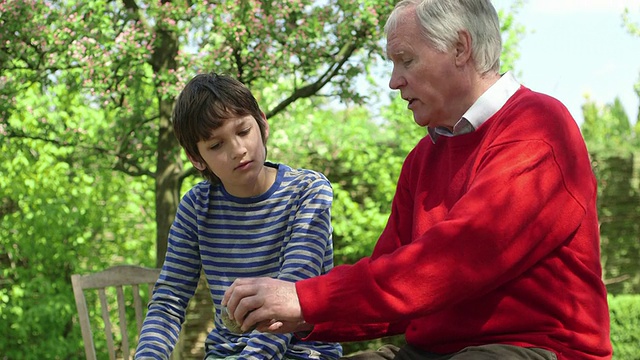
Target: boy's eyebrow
{"type": "Point", "coordinates": [240, 123]}
{"type": "Point", "coordinates": [211, 137]}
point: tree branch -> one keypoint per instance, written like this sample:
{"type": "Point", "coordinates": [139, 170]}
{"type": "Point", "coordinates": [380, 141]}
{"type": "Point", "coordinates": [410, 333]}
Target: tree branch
{"type": "Point", "coordinates": [617, 279]}
{"type": "Point", "coordinates": [312, 88]}
{"type": "Point", "coordinates": [122, 163]}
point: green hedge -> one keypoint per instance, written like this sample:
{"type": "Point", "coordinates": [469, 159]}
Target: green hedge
{"type": "Point", "coordinates": [625, 326]}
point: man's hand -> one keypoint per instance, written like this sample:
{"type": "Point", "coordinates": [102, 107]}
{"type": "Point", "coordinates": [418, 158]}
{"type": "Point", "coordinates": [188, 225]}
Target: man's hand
{"type": "Point", "coordinates": [269, 303]}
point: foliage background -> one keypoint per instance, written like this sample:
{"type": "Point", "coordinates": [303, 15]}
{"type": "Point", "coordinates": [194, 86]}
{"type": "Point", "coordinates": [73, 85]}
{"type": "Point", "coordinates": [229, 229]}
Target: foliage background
{"type": "Point", "coordinates": [90, 173]}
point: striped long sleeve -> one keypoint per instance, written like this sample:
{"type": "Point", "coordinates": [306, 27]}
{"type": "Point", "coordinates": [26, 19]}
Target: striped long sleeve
{"type": "Point", "coordinates": [284, 233]}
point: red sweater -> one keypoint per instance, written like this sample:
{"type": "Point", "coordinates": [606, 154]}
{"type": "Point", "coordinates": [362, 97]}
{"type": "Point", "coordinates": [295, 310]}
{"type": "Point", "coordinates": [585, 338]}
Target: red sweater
{"type": "Point", "coordinates": [492, 238]}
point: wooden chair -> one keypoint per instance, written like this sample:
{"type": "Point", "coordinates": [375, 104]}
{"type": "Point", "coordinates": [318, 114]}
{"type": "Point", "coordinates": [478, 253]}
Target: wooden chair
{"type": "Point", "coordinates": [118, 277]}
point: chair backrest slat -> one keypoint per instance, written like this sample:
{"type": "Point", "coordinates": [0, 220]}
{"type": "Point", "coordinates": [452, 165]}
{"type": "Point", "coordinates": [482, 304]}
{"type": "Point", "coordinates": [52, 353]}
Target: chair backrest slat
{"type": "Point", "coordinates": [117, 277]}
{"type": "Point", "coordinates": [108, 333]}
{"type": "Point", "coordinates": [122, 316]}
{"type": "Point", "coordinates": [137, 305]}
{"type": "Point", "coordinates": [83, 317]}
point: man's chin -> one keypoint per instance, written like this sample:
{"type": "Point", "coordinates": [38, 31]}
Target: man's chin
{"type": "Point", "coordinates": [420, 121]}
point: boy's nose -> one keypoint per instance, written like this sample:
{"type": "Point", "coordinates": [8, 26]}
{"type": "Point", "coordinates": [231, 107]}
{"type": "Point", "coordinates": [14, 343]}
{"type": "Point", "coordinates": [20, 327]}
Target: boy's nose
{"type": "Point", "coordinates": [239, 149]}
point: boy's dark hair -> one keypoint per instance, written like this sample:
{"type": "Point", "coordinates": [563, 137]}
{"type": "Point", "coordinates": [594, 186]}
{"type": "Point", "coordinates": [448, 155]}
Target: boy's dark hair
{"type": "Point", "coordinates": [204, 104]}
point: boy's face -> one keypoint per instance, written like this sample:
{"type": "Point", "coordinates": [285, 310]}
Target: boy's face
{"type": "Point", "coordinates": [235, 153]}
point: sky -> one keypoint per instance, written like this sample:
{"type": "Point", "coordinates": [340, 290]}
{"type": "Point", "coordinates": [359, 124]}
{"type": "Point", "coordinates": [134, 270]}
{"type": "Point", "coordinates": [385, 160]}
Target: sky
{"type": "Point", "coordinates": [574, 48]}
{"type": "Point", "coordinates": [577, 47]}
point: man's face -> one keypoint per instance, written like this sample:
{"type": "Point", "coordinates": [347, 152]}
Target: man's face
{"type": "Point", "coordinates": [428, 79]}
{"type": "Point", "coordinates": [235, 153]}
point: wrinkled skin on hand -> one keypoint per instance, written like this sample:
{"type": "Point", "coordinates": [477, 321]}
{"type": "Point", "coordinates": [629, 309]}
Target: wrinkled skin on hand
{"type": "Point", "coordinates": [268, 304]}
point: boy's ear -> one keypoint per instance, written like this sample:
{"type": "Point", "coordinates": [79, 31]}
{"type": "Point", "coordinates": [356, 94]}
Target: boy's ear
{"type": "Point", "coordinates": [266, 126]}
{"type": "Point", "coordinates": [197, 163]}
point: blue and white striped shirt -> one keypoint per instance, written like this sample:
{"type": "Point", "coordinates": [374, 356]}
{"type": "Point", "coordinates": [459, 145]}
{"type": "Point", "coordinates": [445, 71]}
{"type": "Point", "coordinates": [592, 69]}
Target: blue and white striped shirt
{"type": "Point", "coordinates": [284, 233]}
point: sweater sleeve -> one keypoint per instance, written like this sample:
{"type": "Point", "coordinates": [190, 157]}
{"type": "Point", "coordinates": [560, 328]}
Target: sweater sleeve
{"type": "Point", "coordinates": [398, 227]}
{"type": "Point", "coordinates": [175, 286]}
{"type": "Point", "coordinates": [515, 211]}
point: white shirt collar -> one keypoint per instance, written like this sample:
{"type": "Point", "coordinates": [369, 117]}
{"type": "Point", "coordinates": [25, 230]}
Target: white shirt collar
{"type": "Point", "coordinates": [485, 107]}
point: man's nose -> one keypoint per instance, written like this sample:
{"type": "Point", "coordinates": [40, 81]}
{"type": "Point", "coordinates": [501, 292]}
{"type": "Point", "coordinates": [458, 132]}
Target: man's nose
{"type": "Point", "coordinates": [396, 81]}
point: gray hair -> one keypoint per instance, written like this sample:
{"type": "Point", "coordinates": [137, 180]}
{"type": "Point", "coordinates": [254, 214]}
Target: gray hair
{"type": "Point", "coordinates": [441, 20]}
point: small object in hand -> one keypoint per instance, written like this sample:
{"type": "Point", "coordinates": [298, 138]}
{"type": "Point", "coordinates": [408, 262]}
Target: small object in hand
{"type": "Point", "coordinates": [232, 325]}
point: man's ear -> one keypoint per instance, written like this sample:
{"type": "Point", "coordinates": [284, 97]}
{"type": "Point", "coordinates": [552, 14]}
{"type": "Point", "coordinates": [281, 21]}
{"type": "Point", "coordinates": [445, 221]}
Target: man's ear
{"type": "Point", "coordinates": [463, 48]}
{"type": "Point", "coordinates": [197, 163]}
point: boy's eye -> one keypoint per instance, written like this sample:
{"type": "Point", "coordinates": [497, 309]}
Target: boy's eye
{"type": "Point", "coordinates": [244, 132]}
{"type": "Point", "coordinates": [214, 146]}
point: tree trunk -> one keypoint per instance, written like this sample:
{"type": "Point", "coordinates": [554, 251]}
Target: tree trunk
{"type": "Point", "coordinates": [199, 316]}
{"type": "Point", "coordinates": [167, 182]}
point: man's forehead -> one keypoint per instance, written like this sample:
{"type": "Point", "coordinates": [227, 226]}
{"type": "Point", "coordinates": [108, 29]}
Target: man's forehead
{"type": "Point", "coordinates": [397, 46]}
{"type": "Point", "coordinates": [401, 33]}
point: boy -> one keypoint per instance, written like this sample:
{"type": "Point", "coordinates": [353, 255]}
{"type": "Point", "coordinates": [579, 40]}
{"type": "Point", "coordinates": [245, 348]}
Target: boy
{"type": "Point", "coordinates": [248, 218]}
